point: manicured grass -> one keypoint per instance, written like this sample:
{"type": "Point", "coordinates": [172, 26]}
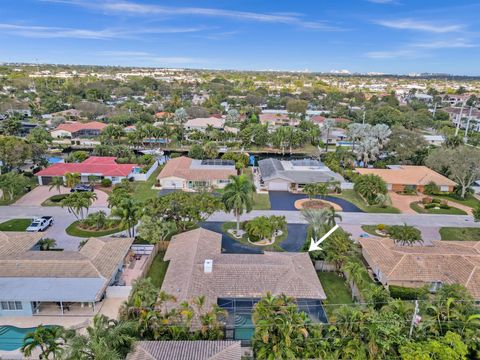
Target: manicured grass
{"type": "Point", "coordinates": [142, 190]}
{"type": "Point", "coordinates": [15, 225]}
{"type": "Point", "coordinates": [452, 211]}
{"type": "Point", "coordinates": [336, 288]}
{"type": "Point", "coordinates": [261, 202]}
{"type": "Point", "coordinates": [354, 198]}
{"type": "Point", "coordinates": [158, 269]}
{"type": "Point", "coordinates": [370, 229]}
{"type": "Point", "coordinates": [55, 200]}
{"type": "Point", "coordinates": [460, 234]}
{"type": "Point", "coordinates": [74, 230]}
{"type": "Point", "coordinates": [244, 240]}
{"type": "Point", "coordinates": [469, 200]}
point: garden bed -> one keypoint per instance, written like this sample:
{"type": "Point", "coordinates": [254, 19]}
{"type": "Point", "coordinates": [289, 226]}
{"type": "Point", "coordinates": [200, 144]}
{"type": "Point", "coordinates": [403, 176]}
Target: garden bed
{"type": "Point", "coordinates": [316, 204]}
{"type": "Point", "coordinates": [55, 200]}
{"type": "Point", "coordinates": [373, 230]}
{"type": "Point", "coordinates": [15, 225]}
{"type": "Point", "coordinates": [245, 240]}
{"type": "Point", "coordinates": [81, 230]}
{"type": "Point", "coordinates": [420, 208]}
{"type": "Point", "coordinates": [357, 200]}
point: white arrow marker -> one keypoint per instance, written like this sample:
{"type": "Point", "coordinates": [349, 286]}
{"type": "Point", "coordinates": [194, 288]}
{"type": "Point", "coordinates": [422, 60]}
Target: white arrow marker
{"type": "Point", "coordinates": [314, 245]}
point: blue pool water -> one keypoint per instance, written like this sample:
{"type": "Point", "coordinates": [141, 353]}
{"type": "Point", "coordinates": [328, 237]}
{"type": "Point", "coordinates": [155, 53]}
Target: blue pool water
{"type": "Point", "coordinates": [55, 160]}
{"type": "Point", "coordinates": [11, 337]}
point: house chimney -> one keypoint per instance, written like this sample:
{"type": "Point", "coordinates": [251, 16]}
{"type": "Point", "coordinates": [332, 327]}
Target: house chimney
{"type": "Point", "coordinates": [208, 266]}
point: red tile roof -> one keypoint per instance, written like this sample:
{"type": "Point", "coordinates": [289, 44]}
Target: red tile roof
{"type": "Point", "coordinates": [77, 126]}
{"type": "Point", "coordinates": [103, 166]}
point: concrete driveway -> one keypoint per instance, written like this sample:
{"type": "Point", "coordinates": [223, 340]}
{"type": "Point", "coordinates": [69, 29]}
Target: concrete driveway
{"type": "Point", "coordinates": [41, 193]}
{"type": "Point", "coordinates": [402, 202]}
{"type": "Point", "coordinates": [285, 201]}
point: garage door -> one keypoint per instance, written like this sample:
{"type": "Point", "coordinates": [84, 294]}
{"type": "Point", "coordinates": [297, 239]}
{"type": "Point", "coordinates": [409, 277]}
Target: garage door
{"type": "Point", "coordinates": [277, 186]}
{"type": "Point", "coordinates": [46, 180]}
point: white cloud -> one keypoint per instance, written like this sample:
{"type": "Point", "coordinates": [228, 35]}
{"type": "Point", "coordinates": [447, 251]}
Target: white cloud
{"type": "Point", "coordinates": [411, 24]}
{"type": "Point", "coordinates": [445, 44]}
{"type": "Point", "coordinates": [390, 54]}
{"type": "Point", "coordinates": [149, 58]}
{"type": "Point", "coordinates": [35, 31]}
{"type": "Point", "coordinates": [132, 8]}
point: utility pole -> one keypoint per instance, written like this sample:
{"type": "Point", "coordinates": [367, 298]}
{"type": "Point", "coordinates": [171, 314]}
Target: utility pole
{"type": "Point", "coordinates": [363, 120]}
{"type": "Point", "coordinates": [434, 110]}
{"type": "Point", "coordinates": [414, 319]}
{"type": "Point", "coordinates": [459, 120]}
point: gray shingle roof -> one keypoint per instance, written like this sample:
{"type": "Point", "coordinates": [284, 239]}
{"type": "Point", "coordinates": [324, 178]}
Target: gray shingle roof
{"type": "Point", "coordinates": [186, 350]}
{"type": "Point", "coordinates": [235, 275]}
{"type": "Point", "coordinates": [274, 169]}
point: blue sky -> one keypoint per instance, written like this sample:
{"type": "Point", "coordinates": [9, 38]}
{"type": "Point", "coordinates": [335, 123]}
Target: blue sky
{"type": "Point", "coordinates": [391, 36]}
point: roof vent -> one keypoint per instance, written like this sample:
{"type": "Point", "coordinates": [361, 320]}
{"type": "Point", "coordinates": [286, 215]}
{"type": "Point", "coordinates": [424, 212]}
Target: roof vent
{"type": "Point", "coordinates": [208, 266]}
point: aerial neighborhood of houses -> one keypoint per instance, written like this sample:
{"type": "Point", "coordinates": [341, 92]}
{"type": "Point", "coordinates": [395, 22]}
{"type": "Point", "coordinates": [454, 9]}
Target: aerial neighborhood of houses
{"type": "Point", "coordinates": [187, 214]}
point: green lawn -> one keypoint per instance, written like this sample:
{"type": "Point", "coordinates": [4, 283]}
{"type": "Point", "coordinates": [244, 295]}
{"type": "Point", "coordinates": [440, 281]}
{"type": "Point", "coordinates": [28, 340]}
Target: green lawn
{"type": "Point", "coordinates": [15, 225]}
{"type": "Point", "coordinates": [261, 202]}
{"type": "Point", "coordinates": [469, 200]}
{"type": "Point", "coordinates": [142, 190]}
{"type": "Point", "coordinates": [354, 198]}
{"type": "Point", "coordinates": [158, 269]}
{"type": "Point", "coordinates": [244, 240]}
{"type": "Point", "coordinates": [74, 230]}
{"type": "Point", "coordinates": [460, 234]}
{"type": "Point", "coordinates": [452, 211]}
{"type": "Point", "coordinates": [336, 288]}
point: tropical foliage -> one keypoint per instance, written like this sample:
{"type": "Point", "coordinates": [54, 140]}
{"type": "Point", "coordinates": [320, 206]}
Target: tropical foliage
{"type": "Point", "coordinates": [369, 186]}
{"type": "Point", "coordinates": [238, 196]}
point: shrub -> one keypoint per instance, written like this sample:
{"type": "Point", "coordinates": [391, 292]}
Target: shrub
{"type": "Point", "coordinates": [431, 188]}
{"type": "Point", "coordinates": [58, 198]}
{"type": "Point", "coordinates": [381, 227]}
{"type": "Point", "coordinates": [436, 201]}
{"type": "Point", "coordinates": [430, 206]}
{"type": "Point", "coordinates": [405, 293]}
{"type": "Point", "coordinates": [444, 206]}
{"type": "Point", "coordinates": [106, 182]}
{"type": "Point", "coordinates": [476, 213]}
{"type": "Point", "coordinates": [427, 200]}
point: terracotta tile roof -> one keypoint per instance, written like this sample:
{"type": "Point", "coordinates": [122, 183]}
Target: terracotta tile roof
{"type": "Point", "coordinates": [409, 175]}
{"type": "Point", "coordinates": [17, 242]}
{"type": "Point", "coordinates": [77, 126]}
{"type": "Point", "coordinates": [447, 261]}
{"type": "Point", "coordinates": [235, 275]}
{"type": "Point", "coordinates": [101, 165]}
{"type": "Point", "coordinates": [186, 350]}
{"type": "Point", "coordinates": [181, 167]}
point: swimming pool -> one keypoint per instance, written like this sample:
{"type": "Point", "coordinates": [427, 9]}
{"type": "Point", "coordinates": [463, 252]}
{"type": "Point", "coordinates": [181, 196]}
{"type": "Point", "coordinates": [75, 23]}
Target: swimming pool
{"type": "Point", "coordinates": [11, 337]}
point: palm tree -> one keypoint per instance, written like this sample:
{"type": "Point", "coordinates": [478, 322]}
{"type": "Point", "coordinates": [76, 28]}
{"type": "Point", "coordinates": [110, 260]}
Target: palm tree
{"type": "Point", "coordinates": [129, 211]}
{"type": "Point", "coordinates": [237, 196]}
{"type": "Point", "coordinates": [79, 201]}
{"type": "Point", "coordinates": [57, 183]}
{"type": "Point", "coordinates": [47, 244]}
{"type": "Point", "coordinates": [405, 234]}
{"type": "Point", "coordinates": [355, 273]}
{"type": "Point", "coordinates": [331, 216]}
{"type": "Point", "coordinates": [72, 179]}
{"type": "Point", "coordinates": [98, 218]}
{"type": "Point", "coordinates": [106, 339]}
{"type": "Point", "coordinates": [327, 127]}
{"type": "Point", "coordinates": [369, 186]}
{"type": "Point", "coordinates": [50, 340]}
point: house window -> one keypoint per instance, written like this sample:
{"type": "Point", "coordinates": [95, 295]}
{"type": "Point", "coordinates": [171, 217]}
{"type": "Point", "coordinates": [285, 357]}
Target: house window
{"type": "Point", "coordinates": [11, 305]}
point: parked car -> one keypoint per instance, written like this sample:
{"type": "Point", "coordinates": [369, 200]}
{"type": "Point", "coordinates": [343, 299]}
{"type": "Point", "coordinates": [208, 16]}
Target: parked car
{"type": "Point", "coordinates": [81, 188]}
{"type": "Point", "coordinates": [40, 224]}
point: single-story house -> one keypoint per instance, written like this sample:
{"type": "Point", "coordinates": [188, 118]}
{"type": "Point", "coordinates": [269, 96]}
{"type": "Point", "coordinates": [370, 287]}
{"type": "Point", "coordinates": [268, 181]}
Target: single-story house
{"type": "Point", "coordinates": [201, 124]}
{"type": "Point", "coordinates": [99, 166]}
{"type": "Point", "coordinates": [292, 175]}
{"type": "Point", "coordinates": [236, 282]}
{"type": "Point", "coordinates": [69, 114]}
{"type": "Point", "coordinates": [78, 130]}
{"type": "Point", "coordinates": [183, 173]}
{"type": "Point", "coordinates": [38, 282]}
{"type": "Point", "coordinates": [444, 262]}
{"type": "Point", "coordinates": [186, 350]}
{"type": "Point", "coordinates": [275, 120]}
{"type": "Point", "coordinates": [404, 177]}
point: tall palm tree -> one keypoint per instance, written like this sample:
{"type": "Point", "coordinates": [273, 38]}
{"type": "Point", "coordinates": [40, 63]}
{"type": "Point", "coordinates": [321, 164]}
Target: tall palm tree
{"type": "Point", "coordinates": [57, 183]}
{"type": "Point", "coordinates": [129, 211]}
{"type": "Point", "coordinates": [355, 274]}
{"type": "Point", "coordinates": [77, 202]}
{"type": "Point", "coordinates": [237, 196]}
{"type": "Point", "coordinates": [50, 340]}
{"type": "Point", "coordinates": [72, 179]}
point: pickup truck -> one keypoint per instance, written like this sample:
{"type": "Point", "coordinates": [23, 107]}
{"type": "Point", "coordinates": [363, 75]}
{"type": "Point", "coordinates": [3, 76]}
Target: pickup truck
{"type": "Point", "coordinates": [40, 224]}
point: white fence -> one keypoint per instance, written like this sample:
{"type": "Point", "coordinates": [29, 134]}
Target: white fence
{"type": "Point", "coordinates": [121, 292]}
{"type": "Point", "coordinates": [324, 266]}
{"type": "Point", "coordinates": [145, 176]}
{"type": "Point", "coordinates": [346, 186]}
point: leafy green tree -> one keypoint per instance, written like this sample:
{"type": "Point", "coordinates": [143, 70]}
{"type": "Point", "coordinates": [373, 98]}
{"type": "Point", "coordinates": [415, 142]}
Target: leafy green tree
{"type": "Point", "coordinates": [280, 329]}
{"type": "Point", "coordinates": [78, 156]}
{"type": "Point", "coordinates": [57, 183]}
{"type": "Point", "coordinates": [154, 229]}
{"type": "Point", "coordinates": [405, 234]}
{"type": "Point", "coordinates": [237, 196]}
{"type": "Point", "coordinates": [196, 152]}
{"type": "Point", "coordinates": [369, 186]}
{"type": "Point", "coordinates": [210, 150]}
{"type": "Point", "coordinates": [356, 274]}
{"type": "Point", "coordinates": [12, 184]}
{"type": "Point", "coordinates": [39, 135]}
{"type": "Point", "coordinates": [14, 152]}
{"type": "Point", "coordinates": [297, 106]}
{"type": "Point", "coordinates": [448, 347]}
{"type": "Point", "coordinates": [117, 195]}
{"type": "Point", "coordinates": [50, 340]}
{"type": "Point", "coordinates": [98, 219]}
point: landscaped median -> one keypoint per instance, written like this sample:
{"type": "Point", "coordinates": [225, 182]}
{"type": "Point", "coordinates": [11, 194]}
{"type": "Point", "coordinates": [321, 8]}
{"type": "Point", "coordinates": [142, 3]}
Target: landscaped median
{"type": "Point", "coordinates": [55, 200]}
{"type": "Point", "coordinates": [15, 225]}
{"type": "Point", "coordinates": [435, 206]}
{"type": "Point", "coordinates": [82, 229]}
{"type": "Point", "coordinates": [357, 200]}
